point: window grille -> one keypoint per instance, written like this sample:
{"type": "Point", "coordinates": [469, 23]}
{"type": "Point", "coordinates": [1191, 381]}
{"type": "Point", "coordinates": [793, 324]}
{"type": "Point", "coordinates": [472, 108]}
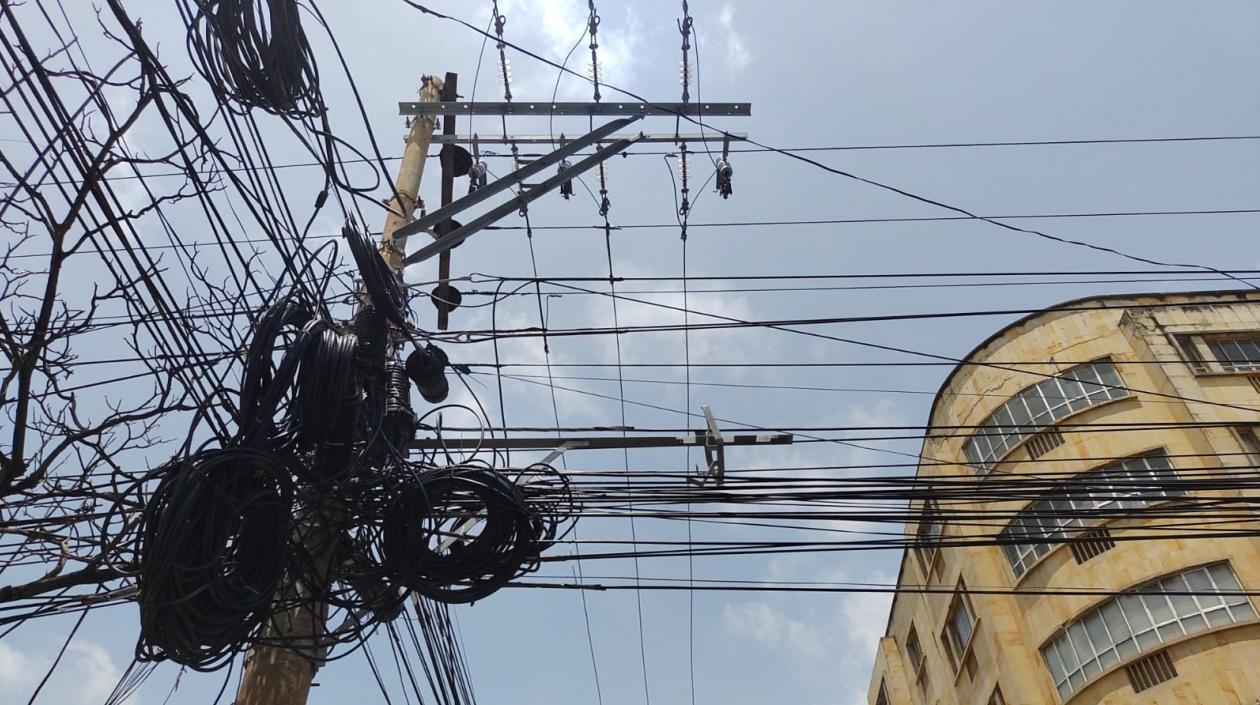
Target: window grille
{"type": "Point", "coordinates": [1043, 443]}
{"type": "Point", "coordinates": [1151, 671]}
{"type": "Point", "coordinates": [1091, 544]}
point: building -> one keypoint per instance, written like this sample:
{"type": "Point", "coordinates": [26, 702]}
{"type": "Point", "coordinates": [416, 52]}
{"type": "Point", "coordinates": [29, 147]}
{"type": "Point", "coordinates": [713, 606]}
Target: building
{"type": "Point", "coordinates": [1080, 404]}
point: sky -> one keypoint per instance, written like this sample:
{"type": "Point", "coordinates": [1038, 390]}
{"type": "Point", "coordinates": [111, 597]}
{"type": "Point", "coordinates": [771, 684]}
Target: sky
{"type": "Point", "coordinates": [878, 72]}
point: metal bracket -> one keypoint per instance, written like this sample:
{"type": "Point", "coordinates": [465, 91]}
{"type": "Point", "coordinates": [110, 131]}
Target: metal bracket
{"type": "Point", "coordinates": [528, 194]}
{"type": "Point", "coordinates": [516, 177]}
{"type": "Point", "coordinates": [653, 137]}
{"type": "Point", "coordinates": [714, 448]}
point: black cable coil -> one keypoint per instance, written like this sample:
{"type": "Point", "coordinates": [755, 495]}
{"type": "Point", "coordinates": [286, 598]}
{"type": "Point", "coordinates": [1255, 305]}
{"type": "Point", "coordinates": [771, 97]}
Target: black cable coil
{"type": "Point", "coordinates": [214, 543]}
{"type": "Point", "coordinates": [255, 52]}
{"type": "Point", "coordinates": [428, 547]}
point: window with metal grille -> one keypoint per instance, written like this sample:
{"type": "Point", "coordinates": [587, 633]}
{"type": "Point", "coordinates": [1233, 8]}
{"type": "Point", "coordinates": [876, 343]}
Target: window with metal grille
{"type": "Point", "coordinates": [1151, 671]}
{"type": "Point", "coordinates": [882, 698]}
{"type": "Point", "coordinates": [1039, 406]}
{"type": "Point", "coordinates": [1143, 620]}
{"type": "Point", "coordinates": [1092, 543]}
{"type": "Point", "coordinates": [1092, 496]}
{"type": "Point", "coordinates": [1043, 443]}
{"type": "Point", "coordinates": [996, 697]}
{"type": "Point", "coordinates": [1236, 354]}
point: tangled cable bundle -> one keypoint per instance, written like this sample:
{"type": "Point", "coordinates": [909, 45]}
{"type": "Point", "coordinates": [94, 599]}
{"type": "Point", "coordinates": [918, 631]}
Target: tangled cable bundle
{"type": "Point", "coordinates": [255, 52]}
{"type": "Point", "coordinates": [323, 424]}
{"type": "Point", "coordinates": [380, 283]}
{"type": "Point", "coordinates": [214, 546]}
{"type": "Point", "coordinates": [430, 544]}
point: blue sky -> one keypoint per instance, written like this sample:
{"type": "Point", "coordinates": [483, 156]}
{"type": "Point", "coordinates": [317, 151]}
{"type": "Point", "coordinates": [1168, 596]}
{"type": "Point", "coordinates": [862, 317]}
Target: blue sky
{"type": "Point", "coordinates": [841, 73]}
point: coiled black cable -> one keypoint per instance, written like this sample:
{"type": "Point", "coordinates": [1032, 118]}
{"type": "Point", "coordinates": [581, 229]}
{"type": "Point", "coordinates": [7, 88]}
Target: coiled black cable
{"type": "Point", "coordinates": [255, 53]}
{"type": "Point", "coordinates": [214, 544]}
{"type": "Point", "coordinates": [426, 550]}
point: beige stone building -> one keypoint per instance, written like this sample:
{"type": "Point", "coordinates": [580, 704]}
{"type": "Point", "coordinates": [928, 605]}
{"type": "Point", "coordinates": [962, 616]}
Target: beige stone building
{"type": "Point", "coordinates": [1094, 407]}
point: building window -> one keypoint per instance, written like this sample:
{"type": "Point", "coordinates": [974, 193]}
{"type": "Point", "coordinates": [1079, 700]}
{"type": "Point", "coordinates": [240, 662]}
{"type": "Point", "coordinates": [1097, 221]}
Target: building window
{"type": "Point", "coordinates": [960, 624]}
{"type": "Point", "coordinates": [1039, 406]}
{"type": "Point", "coordinates": [882, 698]}
{"type": "Point", "coordinates": [928, 535]}
{"type": "Point", "coordinates": [1087, 499]}
{"type": "Point", "coordinates": [996, 697]}
{"type": "Point", "coordinates": [1142, 620]}
{"type": "Point", "coordinates": [1220, 353]}
{"type": "Point", "coordinates": [1250, 442]}
{"type": "Point", "coordinates": [1236, 354]}
{"type": "Point", "coordinates": [918, 664]}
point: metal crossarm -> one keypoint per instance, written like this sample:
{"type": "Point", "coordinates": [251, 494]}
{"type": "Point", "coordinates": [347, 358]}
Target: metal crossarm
{"type": "Point", "coordinates": [585, 109]}
{"type": "Point", "coordinates": [517, 177]}
{"type": "Point", "coordinates": [527, 195]}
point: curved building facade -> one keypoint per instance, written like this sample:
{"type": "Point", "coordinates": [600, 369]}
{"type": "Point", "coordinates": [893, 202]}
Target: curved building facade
{"type": "Point", "coordinates": [1092, 429]}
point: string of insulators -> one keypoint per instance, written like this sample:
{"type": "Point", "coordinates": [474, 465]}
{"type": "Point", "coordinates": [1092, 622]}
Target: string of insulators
{"type": "Point", "coordinates": [505, 64]}
{"type": "Point", "coordinates": [684, 78]}
{"type": "Point", "coordinates": [592, 29]}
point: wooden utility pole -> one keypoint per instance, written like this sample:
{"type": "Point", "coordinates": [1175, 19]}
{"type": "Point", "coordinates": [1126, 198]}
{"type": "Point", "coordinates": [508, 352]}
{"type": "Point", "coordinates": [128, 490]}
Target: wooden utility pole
{"type": "Point", "coordinates": [407, 186]}
{"type": "Point", "coordinates": [281, 674]}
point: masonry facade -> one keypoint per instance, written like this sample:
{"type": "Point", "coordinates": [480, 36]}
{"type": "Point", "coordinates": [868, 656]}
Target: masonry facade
{"type": "Point", "coordinates": [1083, 404]}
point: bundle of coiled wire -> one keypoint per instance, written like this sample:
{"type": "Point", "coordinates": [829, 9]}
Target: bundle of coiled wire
{"type": "Point", "coordinates": [458, 534]}
{"type": "Point", "coordinates": [323, 421]}
{"type": "Point", "coordinates": [213, 543]}
{"type": "Point", "coordinates": [255, 53]}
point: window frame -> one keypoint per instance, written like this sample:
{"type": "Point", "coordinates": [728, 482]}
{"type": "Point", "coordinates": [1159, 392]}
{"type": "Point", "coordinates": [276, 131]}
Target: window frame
{"type": "Point", "coordinates": [881, 695]}
{"type": "Point", "coordinates": [919, 667]}
{"type": "Point", "coordinates": [929, 550]}
{"type": "Point", "coordinates": [1195, 348]}
{"type": "Point", "coordinates": [959, 650]}
{"type": "Point", "coordinates": [1064, 657]}
{"type": "Point", "coordinates": [1057, 516]}
{"type": "Point", "coordinates": [999, 434]}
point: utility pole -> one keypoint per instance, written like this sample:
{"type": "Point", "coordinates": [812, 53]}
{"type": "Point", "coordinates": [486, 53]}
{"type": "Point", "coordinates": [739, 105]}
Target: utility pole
{"type": "Point", "coordinates": [281, 673]}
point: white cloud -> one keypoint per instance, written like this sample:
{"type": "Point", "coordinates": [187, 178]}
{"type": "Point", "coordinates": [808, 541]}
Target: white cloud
{"type": "Point", "coordinates": [735, 52]}
{"type": "Point", "coordinates": [86, 675]}
{"type": "Point", "coordinates": [762, 623]}
{"type": "Point", "coordinates": [852, 625]}
{"type": "Point", "coordinates": [865, 617]}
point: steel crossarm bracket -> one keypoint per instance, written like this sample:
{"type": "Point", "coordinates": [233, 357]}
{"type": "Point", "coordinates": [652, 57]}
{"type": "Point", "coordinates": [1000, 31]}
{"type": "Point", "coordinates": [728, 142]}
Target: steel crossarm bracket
{"type": "Point", "coordinates": [653, 137]}
{"type": "Point", "coordinates": [527, 195]}
{"type": "Point", "coordinates": [515, 178]}
{"type": "Point", "coordinates": [714, 446]}
{"type": "Point", "coordinates": [584, 109]}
